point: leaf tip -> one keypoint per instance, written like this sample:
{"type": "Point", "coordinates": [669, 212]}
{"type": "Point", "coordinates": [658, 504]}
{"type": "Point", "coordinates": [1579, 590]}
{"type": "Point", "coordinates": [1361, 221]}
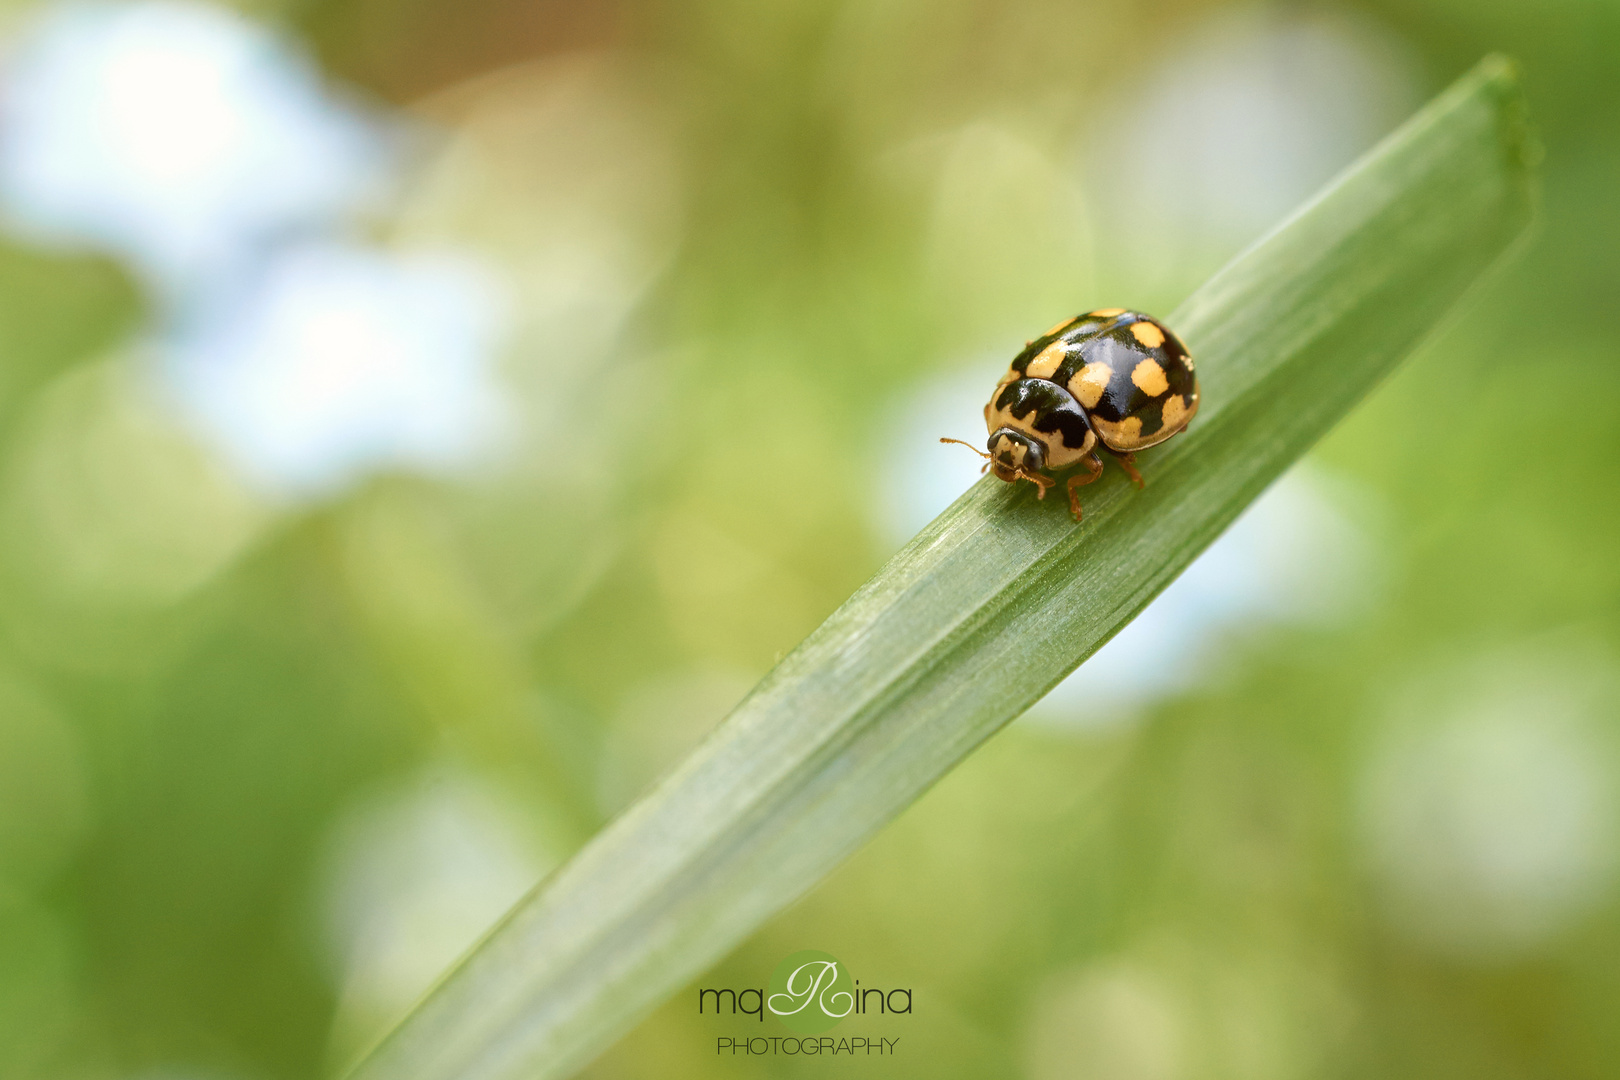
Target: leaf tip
{"type": "Point", "coordinates": [1504, 76]}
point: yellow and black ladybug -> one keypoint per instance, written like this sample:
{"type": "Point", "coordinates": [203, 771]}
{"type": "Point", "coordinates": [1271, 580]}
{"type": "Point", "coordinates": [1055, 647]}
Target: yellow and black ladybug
{"type": "Point", "coordinates": [1113, 378]}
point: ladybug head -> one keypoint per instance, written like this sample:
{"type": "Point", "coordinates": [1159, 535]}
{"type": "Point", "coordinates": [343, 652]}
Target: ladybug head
{"type": "Point", "coordinates": [1014, 455]}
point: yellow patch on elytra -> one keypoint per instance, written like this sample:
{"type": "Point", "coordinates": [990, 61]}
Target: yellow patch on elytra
{"type": "Point", "coordinates": [1175, 412]}
{"type": "Point", "coordinates": [1089, 382]}
{"type": "Point", "coordinates": [1047, 361]}
{"type": "Point", "coordinates": [1056, 327]}
{"type": "Point", "coordinates": [1125, 435]}
{"type": "Point", "coordinates": [1107, 312]}
{"type": "Point", "coordinates": [1149, 377]}
{"type": "Point", "coordinates": [1147, 334]}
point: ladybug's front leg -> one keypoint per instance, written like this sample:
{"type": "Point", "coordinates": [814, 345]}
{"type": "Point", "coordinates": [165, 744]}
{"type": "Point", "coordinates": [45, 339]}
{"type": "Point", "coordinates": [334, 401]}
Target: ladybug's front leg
{"type": "Point", "coordinates": [1094, 469]}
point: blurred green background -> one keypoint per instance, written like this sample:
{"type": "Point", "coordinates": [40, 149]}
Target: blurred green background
{"type": "Point", "coordinates": [635, 324]}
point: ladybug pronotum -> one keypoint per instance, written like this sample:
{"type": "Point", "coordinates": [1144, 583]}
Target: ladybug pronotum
{"type": "Point", "coordinates": [1113, 379]}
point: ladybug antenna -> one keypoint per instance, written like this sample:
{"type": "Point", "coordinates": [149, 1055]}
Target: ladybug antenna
{"type": "Point", "coordinates": [969, 445]}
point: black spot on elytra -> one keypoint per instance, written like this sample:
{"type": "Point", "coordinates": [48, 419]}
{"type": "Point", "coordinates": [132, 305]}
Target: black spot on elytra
{"type": "Point", "coordinates": [1152, 416]}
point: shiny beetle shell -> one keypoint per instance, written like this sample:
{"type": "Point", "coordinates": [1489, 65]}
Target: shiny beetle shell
{"type": "Point", "coordinates": [1113, 376]}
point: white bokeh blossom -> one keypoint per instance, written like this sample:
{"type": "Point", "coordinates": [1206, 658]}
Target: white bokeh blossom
{"type": "Point", "coordinates": [176, 136]}
{"type": "Point", "coordinates": [336, 361]}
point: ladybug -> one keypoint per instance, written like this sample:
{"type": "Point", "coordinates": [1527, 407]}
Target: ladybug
{"type": "Point", "coordinates": [1112, 379]}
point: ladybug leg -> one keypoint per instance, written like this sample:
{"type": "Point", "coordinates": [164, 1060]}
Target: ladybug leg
{"type": "Point", "coordinates": [1094, 469]}
{"type": "Point", "coordinates": [1041, 482]}
{"type": "Point", "coordinates": [1128, 463]}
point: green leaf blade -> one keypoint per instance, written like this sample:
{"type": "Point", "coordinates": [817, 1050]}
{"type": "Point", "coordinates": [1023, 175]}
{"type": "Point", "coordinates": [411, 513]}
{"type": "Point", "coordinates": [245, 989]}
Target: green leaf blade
{"type": "Point", "coordinates": [984, 611]}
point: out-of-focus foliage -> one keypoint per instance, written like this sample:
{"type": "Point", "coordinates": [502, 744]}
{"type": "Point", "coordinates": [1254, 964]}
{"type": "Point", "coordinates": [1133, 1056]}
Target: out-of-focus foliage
{"type": "Point", "coordinates": [932, 655]}
{"type": "Point", "coordinates": [272, 753]}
